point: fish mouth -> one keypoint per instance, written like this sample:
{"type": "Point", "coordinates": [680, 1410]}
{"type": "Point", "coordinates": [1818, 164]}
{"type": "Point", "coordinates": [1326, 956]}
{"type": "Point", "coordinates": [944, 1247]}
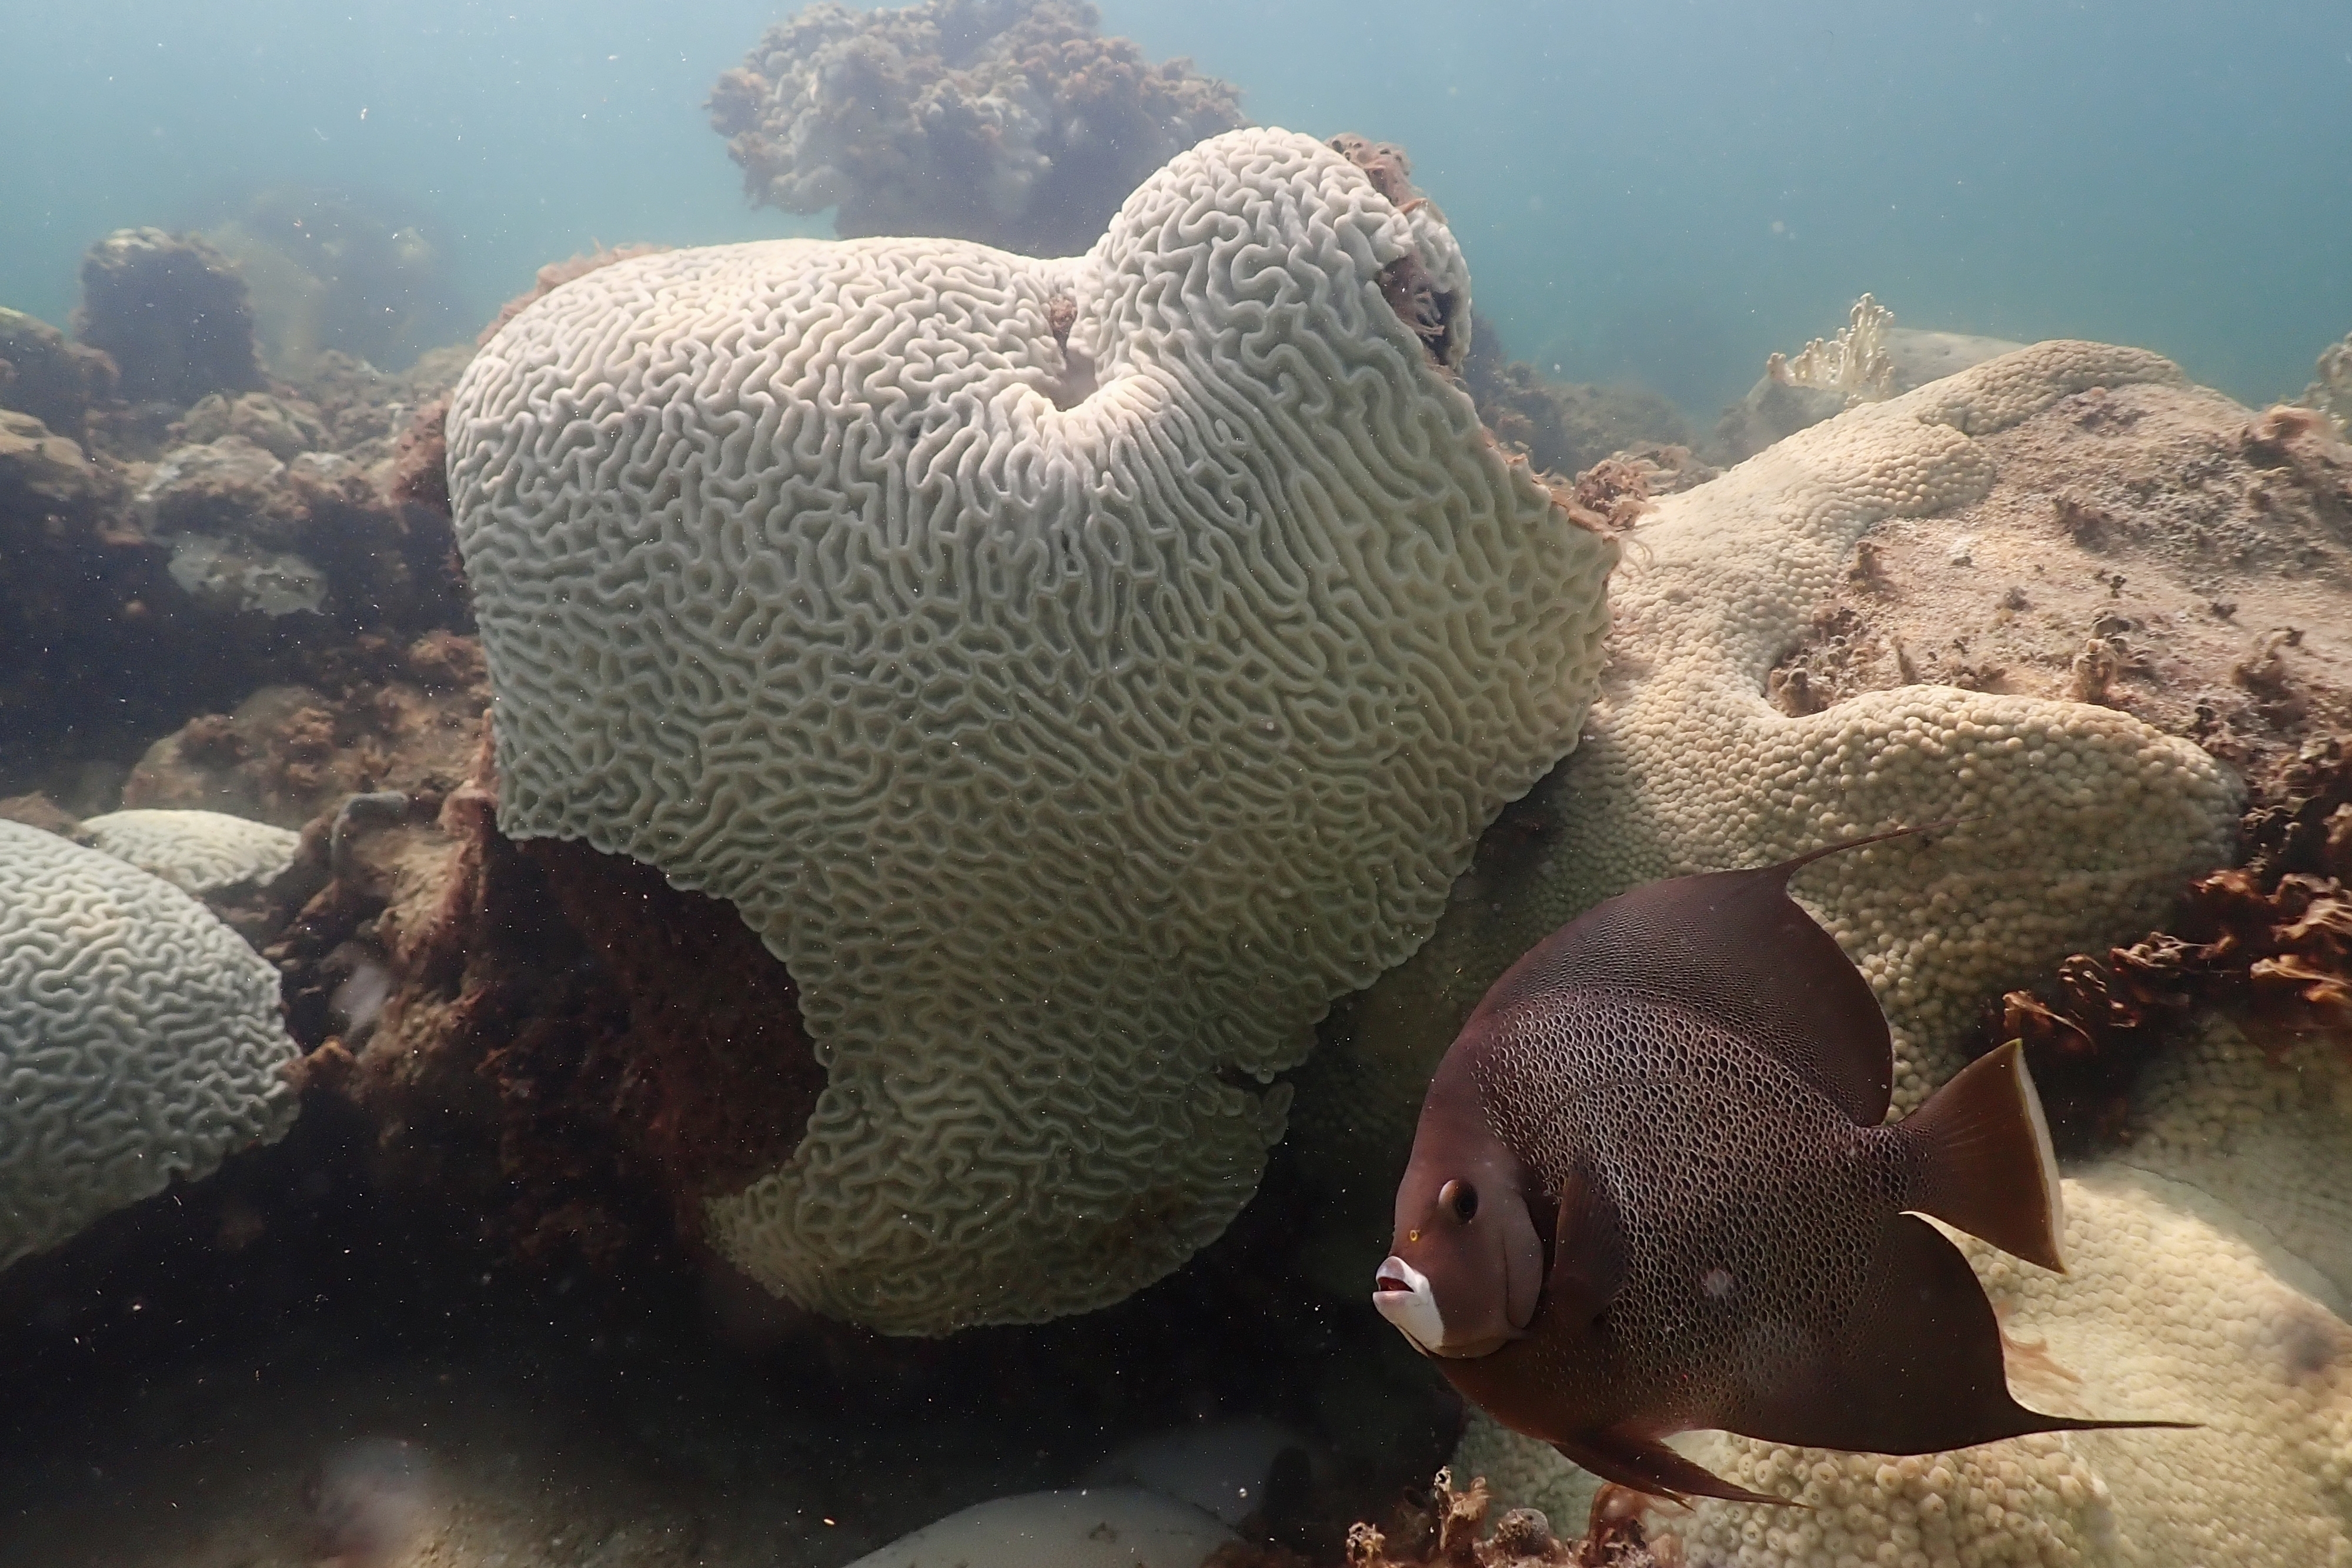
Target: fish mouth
{"type": "Point", "coordinates": [1402, 1294]}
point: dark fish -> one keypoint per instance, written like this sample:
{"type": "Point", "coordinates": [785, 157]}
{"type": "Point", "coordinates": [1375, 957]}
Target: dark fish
{"type": "Point", "coordinates": [1652, 1190]}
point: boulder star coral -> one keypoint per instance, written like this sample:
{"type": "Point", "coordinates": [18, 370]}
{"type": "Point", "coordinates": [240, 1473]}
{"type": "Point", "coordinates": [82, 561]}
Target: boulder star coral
{"type": "Point", "coordinates": [1078, 672]}
{"type": "Point", "coordinates": [2078, 825]}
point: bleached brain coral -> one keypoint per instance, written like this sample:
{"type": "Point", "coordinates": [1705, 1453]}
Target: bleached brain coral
{"type": "Point", "coordinates": [195, 852]}
{"type": "Point", "coordinates": [139, 1038]}
{"type": "Point", "coordinates": [1078, 672]}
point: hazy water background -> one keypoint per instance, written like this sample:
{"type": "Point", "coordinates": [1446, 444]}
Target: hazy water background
{"type": "Point", "coordinates": [1661, 192]}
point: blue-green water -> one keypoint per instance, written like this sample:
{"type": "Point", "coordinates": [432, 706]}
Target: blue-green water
{"type": "Point", "coordinates": [1660, 192]}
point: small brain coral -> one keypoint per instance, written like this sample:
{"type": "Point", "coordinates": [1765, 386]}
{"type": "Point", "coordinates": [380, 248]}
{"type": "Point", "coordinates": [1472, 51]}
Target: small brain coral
{"type": "Point", "coordinates": [1078, 672]}
{"type": "Point", "coordinates": [1007, 121]}
{"type": "Point", "coordinates": [139, 1036]}
{"type": "Point", "coordinates": [2170, 1311]}
{"type": "Point", "coordinates": [195, 852]}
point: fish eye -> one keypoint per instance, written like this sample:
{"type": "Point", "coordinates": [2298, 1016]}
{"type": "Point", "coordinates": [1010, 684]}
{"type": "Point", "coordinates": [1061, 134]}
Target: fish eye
{"type": "Point", "coordinates": [1461, 1197]}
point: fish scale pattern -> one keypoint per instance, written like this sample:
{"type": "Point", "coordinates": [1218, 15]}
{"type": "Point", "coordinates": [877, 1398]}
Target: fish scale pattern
{"type": "Point", "coordinates": [140, 1040]}
{"type": "Point", "coordinates": [1078, 672]}
{"type": "Point", "coordinates": [1760, 1189]}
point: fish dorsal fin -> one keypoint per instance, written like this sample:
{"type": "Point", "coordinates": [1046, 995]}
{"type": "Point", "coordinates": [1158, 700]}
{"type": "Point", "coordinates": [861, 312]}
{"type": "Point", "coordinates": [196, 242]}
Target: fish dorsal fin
{"type": "Point", "coordinates": [1735, 948]}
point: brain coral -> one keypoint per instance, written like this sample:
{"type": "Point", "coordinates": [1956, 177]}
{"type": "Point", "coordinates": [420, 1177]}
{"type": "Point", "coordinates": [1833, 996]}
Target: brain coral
{"type": "Point", "coordinates": [2170, 1310]}
{"type": "Point", "coordinates": [139, 1036]}
{"type": "Point", "coordinates": [195, 852]}
{"type": "Point", "coordinates": [1078, 672]}
{"type": "Point", "coordinates": [2080, 825]}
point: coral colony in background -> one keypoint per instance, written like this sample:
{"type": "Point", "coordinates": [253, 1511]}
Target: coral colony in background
{"type": "Point", "coordinates": [969, 775]}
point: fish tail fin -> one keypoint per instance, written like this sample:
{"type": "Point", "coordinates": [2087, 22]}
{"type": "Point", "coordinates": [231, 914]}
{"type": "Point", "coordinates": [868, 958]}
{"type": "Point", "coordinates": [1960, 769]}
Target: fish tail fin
{"type": "Point", "coordinates": [1984, 1159]}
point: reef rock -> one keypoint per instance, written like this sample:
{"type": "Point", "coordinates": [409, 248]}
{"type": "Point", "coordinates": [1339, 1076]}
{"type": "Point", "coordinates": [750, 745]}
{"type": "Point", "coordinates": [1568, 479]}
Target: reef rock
{"type": "Point", "coordinates": [289, 753]}
{"type": "Point", "coordinates": [139, 1037]}
{"type": "Point", "coordinates": [254, 535]}
{"type": "Point", "coordinates": [40, 471]}
{"type": "Point", "coordinates": [43, 374]}
{"type": "Point", "coordinates": [1015, 124]}
{"type": "Point", "coordinates": [285, 428]}
{"type": "Point", "coordinates": [329, 275]}
{"type": "Point", "coordinates": [180, 559]}
{"type": "Point", "coordinates": [171, 313]}
{"type": "Point", "coordinates": [1077, 673]}
{"type": "Point", "coordinates": [1565, 427]}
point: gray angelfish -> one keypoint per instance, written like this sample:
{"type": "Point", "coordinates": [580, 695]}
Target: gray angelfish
{"type": "Point", "coordinates": [1653, 1190]}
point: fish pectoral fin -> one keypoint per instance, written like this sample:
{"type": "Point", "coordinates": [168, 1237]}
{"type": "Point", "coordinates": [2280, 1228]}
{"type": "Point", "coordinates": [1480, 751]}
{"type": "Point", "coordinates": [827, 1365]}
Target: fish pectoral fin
{"type": "Point", "coordinates": [1587, 1247]}
{"type": "Point", "coordinates": [1919, 1369]}
{"type": "Point", "coordinates": [1648, 1466]}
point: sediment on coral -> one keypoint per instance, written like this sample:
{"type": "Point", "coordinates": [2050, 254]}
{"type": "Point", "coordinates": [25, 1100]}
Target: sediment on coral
{"type": "Point", "coordinates": [1017, 124]}
{"type": "Point", "coordinates": [2154, 548]}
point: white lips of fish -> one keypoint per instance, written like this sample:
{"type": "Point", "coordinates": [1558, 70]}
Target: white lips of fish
{"type": "Point", "coordinates": [1402, 1294]}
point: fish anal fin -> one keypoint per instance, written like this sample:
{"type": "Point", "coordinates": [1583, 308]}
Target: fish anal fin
{"type": "Point", "coordinates": [1982, 1159]}
{"type": "Point", "coordinates": [1919, 1370]}
{"type": "Point", "coordinates": [1647, 1464]}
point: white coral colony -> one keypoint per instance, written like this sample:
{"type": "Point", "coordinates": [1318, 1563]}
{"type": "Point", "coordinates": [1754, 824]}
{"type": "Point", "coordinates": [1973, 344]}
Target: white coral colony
{"type": "Point", "coordinates": [140, 1040]}
{"type": "Point", "coordinates": [1078, 672]}
{"type": "Point", "coordinates": [195, 852]}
